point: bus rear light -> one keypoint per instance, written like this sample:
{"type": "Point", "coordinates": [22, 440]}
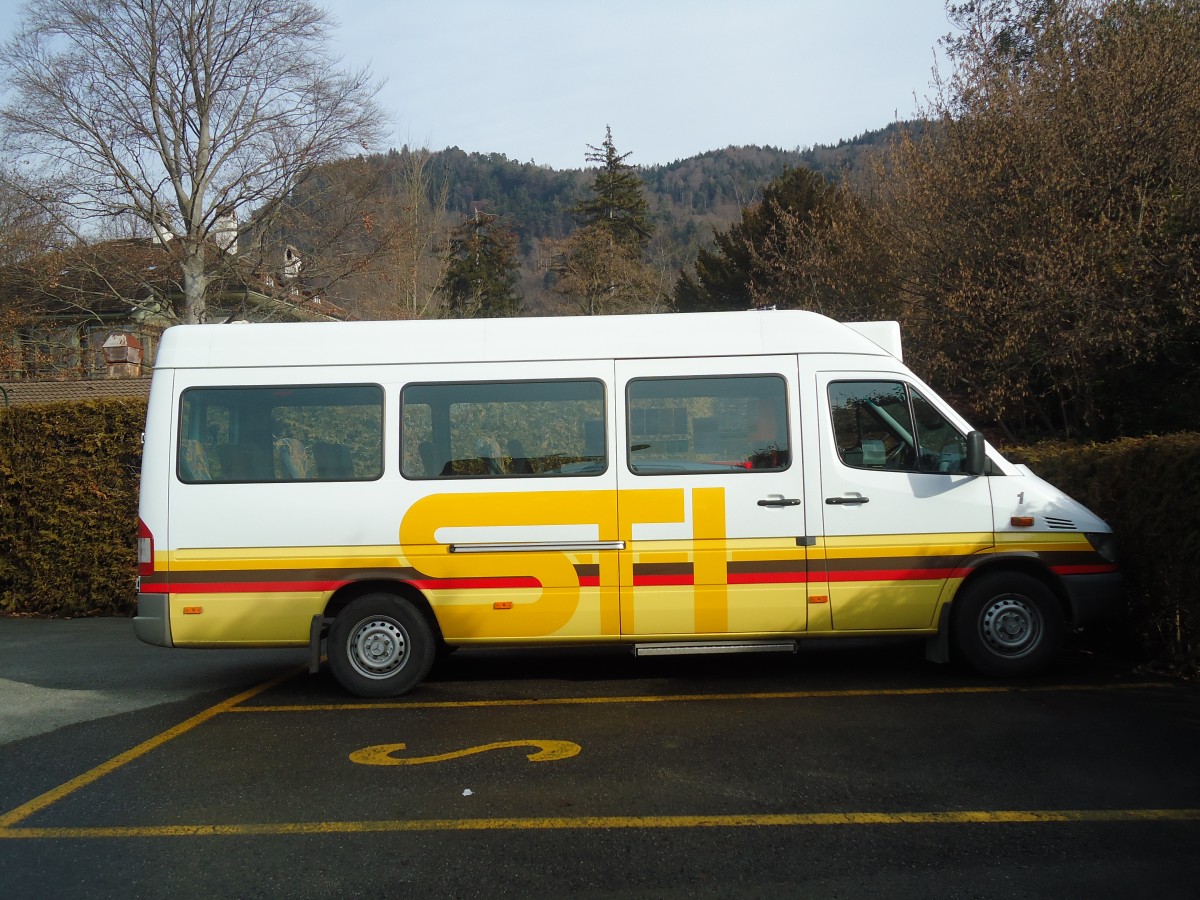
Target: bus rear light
{"type": "Point", "coordinates": [145, 550]}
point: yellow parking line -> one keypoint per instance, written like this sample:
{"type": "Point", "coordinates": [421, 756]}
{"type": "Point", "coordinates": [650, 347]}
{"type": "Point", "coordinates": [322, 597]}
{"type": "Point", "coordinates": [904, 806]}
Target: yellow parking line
{"type": "Point", "coordinates": [680, 698]}
{"type": "Point", "coordinates": [785, 820]}
{"type": "Point", "coordinates": [39, 803]}
{"type": "Point", "coordinates": [234, 704]}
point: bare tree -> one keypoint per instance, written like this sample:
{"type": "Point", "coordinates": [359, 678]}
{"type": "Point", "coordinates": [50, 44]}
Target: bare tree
{"type": "Point", "coordinates": [185, 114]}
{"type": "Point", "coordinates": [333, 222]}
{"type": "Point", "coordinates": [598, 275]}
{"type": "Point", "coordinates": [418, 263]}
{"type": "Point", "coordinates": [27, 219]}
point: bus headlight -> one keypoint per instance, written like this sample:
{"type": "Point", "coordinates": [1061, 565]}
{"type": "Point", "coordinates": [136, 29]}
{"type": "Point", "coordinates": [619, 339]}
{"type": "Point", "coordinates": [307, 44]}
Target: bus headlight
{"type": "Point", "coordinates": [1104, 544]}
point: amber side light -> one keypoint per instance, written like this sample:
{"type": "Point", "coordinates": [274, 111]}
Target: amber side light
{"type": "Point", "coordinates": [1021, 521]}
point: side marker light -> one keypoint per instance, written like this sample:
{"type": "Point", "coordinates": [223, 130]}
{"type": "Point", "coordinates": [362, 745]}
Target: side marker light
{"type": "Point", "coordinates": [1021, 521]}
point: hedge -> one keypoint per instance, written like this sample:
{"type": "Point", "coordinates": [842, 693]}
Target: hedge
{"type": "Point", "coordinates": [68, 507]}
{"type": "Point", "coordinates": [68, 514]}
{"type": "Point", "coordinates": [1148, 490]}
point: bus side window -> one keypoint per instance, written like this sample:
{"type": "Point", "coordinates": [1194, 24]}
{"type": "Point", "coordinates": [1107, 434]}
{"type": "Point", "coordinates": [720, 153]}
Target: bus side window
{"type": "Point", "coordinates": [300, 433]}
{"type": "Point", "coordinates": [502, 429]}
{"type": "Point", "coordinates": [593, 439]}
{"type": "Point", "coordinates": [943, 447]}
{"type": "Point", "coordinates": [193, 460]}
{"type": "Point", "coordinates": [333, 461]}
{"type": "Point", "coordinates": [245, 462]}
{"type": "Point", "coordinates": [872, 424]}
{"type": "Point", "coordinates": [706, 424]}
{"type": "Point", "coordinates": [889, 425]}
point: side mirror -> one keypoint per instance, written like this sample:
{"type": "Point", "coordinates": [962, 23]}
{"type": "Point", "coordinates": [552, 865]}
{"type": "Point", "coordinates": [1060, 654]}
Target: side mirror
{"type": "Point", "coordinates": [976, 457]}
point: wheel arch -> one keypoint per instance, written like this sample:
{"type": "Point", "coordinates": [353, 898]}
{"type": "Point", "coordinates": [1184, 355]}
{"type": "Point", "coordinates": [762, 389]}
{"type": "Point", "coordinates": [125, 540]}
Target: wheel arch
{"type": "Point", "coordinates": [348, 593]}
{"type": "Point", "coordinates": [1024, 563]}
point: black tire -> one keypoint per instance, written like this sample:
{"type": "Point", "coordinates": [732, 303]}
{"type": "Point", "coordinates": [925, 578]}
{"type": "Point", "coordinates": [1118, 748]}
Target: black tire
{"type": "Point", "coordinates": [380, 646]}
{"type": "Point", "coordinates": [1007, 623]}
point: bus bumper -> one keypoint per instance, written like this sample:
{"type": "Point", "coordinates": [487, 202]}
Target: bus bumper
{"type": "Point", "coordinates": [1094, 598]}
{"type": "Point", "coordinates": [152, 624]}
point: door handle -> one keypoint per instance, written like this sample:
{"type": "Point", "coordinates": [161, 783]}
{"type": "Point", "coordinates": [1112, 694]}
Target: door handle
{"type": "Point", "coordinates": [846, 501]}
{"type": "Point", "coordinates": [781, 501]}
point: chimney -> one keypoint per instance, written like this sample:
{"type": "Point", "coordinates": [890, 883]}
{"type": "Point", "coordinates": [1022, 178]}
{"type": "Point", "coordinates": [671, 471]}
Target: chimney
{"type": "Point", "coordinates": [122, 356]}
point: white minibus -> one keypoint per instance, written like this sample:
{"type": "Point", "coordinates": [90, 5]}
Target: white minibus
{"type": "Point", "coordinates": [703, 483]}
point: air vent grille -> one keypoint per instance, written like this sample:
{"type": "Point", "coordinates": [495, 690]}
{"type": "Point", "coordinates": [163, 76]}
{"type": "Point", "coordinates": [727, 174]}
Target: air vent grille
{"type": "Point", "coordinates": [1060, 524]}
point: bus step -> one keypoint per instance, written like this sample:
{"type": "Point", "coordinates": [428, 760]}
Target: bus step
{"type": "Point", "coordinates": [685, 648]}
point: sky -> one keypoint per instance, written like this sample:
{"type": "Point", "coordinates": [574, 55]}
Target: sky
{"type": "Point", "coordinates": [539, 80]}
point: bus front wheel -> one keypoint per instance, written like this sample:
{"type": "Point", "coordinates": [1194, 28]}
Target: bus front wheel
{"type": "Point", "coordinates": [380, 646]}
{"type": "Point", "coordinates": [1007, 623]}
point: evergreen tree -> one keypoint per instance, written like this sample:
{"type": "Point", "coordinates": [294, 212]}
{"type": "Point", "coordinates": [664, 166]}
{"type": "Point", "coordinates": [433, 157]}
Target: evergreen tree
{"type": "Point", "coordinates": [601, 266]}
{"type": "Point", "coordinates": [481, 271]}
{"type": "Point", "coordinates": [618, 203]}
{"type": "Point", "coordinates": [727, 276]}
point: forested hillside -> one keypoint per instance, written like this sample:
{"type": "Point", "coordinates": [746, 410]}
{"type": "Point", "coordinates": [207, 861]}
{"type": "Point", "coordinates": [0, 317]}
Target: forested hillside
{"type": "Point", "coordinates": [419, 196]}
{"type": "Point", "coordinates": [688, 197]}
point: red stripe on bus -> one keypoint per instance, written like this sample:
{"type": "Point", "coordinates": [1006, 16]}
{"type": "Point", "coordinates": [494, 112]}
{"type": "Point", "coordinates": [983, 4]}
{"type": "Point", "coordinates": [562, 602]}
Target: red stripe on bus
{"type": "Point", "coordinates": [251, 587]}
{"type": "Point", "coordinates": [674, 580]}
{"type": "Point", "coordinates": [272, 587]}
{"type": "Point", "coordinates": [1100, 569]}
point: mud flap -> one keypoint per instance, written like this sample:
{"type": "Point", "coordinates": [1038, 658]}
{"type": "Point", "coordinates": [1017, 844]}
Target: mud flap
{"type": "Point", "coordinates": [937, 646]}
{"type": "Point", "coordinates": [317, 630]}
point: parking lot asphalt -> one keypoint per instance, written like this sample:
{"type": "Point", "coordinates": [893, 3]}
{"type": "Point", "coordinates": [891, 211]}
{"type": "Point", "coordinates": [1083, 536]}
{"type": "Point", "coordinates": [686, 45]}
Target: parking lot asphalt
{"type": "Point", "coordinates": [57, 672]}
{"type": "Point", "coordinates": [855, 770]}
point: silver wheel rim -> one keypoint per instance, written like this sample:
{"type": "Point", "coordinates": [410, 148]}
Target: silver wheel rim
{"type": "Point", "coordinates": [377, 647]}
{"type": "Point", "coordinates": [1011, 626]}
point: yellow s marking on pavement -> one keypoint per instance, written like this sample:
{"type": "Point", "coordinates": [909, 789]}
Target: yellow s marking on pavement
{"type": "Point", "coordinates": [381, 754]}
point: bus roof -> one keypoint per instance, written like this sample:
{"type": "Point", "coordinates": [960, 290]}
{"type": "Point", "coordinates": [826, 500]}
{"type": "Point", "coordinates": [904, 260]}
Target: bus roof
{"type": "Point", "coordinates": [521, 339]}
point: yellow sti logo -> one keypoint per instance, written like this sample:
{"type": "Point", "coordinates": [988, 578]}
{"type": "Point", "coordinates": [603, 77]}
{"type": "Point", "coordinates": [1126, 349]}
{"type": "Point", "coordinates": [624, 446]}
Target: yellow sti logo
{"type": "Point", "coordinates": [544, 585]}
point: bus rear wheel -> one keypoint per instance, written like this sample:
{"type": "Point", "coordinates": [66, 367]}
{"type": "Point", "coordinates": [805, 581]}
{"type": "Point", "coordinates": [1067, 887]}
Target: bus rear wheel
{"type": "Point", "coordinates": [380, 646]}
{"type": "Point", "coordinates": [1006, 624]}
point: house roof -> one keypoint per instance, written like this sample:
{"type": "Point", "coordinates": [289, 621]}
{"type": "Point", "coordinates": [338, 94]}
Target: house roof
{"type": "Point", "coordinates": [106, 278]}
{"type": "Point", "coordinates": [13, 393]}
